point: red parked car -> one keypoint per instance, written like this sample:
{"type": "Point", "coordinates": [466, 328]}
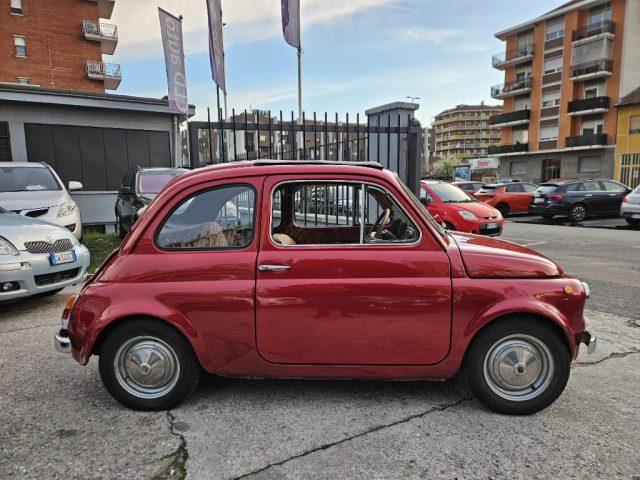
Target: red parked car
{"type": "Point", "coordinates": [228, 272]}
{"type": "Point", "coordinates": [450, 205]}
{"type": "Point", "coordinates": [470, 187]}
{"type": "Point", "coordinates": [507, 197]}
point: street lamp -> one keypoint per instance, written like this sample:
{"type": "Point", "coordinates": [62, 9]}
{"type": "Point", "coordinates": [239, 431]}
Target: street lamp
{"type": "Point", "coordinates": [413, 99]}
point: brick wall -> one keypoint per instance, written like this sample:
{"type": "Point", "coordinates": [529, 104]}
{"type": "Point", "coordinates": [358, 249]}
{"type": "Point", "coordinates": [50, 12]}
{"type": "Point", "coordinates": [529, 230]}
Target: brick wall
{"type": "Point", "coordinates": [57, 51]}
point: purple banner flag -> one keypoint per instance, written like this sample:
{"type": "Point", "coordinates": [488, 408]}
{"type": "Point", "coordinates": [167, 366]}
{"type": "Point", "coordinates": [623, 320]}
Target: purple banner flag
{"type": "Point", "coordinates": [216, 43]}
{"type": "Point", "coordinates": [171, 30]}
{"type": "Point", "coordinates": [291, 21]}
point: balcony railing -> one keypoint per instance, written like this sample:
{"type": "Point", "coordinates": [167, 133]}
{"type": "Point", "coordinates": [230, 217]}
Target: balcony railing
{"type": "Point", "coordinates": [606, 26]}
{"type": "Point", "coordinates": [108, 72]}
{"type": "Point", "coordinates": [593, 69]}
{"type": "Point", "coordinates": [501, 91]}
{"type": "Point", "coordinates": [589, 104]}
{"type": "Point", "coordinates": [100, 29]}
{"type": "Point", "coordinates": [519, 116]}
{"type": "Point", "coordinates": [586, 140]}
{"type": "Point", "coordinates": [511, 148]}
{"type": "Point", "coordinates": [512, 57]}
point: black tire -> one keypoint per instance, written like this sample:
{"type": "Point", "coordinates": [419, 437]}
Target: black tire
{"type": "Point", "coordinates": [633, 222]}
{"type": "Point", "coordinates": [578, 213]}
{"type": "Point", "coordinates": [119, 228]}
{"type": "Point", "coordinates": [497, 337]}
{"type": "Point", "coordinates": [503, 208]}
{"type": "Point", "coordinates": [158, 335]}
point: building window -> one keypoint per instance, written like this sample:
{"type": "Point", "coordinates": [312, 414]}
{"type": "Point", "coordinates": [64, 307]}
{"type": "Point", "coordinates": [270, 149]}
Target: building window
{"type": "Point", "coordinates": [599, 15]}
{"type": "Point", "coordinates": [549, 132]}
{"type": "Point", "coordinates": [518, 168]}
{"type": "Point", "coordinates": [634, 124]}
{"type": "Point", "coordinates": [23, 80]}
{"type": "Point", "coordinates": [16, 7]}
{"type": "Point", "coordinates": [553, 65]}
{"type": "Point", "coordinates": [594, 89]}
{"type": "Point", "coordinates": [21, 49]}
{"type": "Point", "coordinates": [555, 29]}
{"type": "Point", "coordinates": [591, 126]}
{"type": "Point", "coordinates": [521, 103]}
{"type": "Point", "coordinates": [551, 99]}
{"type": "Point", "coordinates": [589, 164]}
{"type": "Point", "coordinates": [550, 169]}
{"type": "Point", "coordinates": [594, 51]}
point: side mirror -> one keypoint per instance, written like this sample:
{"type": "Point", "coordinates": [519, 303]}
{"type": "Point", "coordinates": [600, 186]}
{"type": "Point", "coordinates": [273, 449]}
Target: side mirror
{"type": "Point", "coordinates": [73, 185]}
{"type": "Point", "coordinates": [426, 200]}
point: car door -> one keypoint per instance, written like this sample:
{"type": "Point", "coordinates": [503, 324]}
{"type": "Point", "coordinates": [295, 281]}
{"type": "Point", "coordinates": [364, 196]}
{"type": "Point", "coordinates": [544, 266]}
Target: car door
{"type": "Point", "coordinates": [615, 194]}
{"type": "Point", "coordinates": [325, 296]}
{"type": "Point", "coordinates": [594, 197]}
{"type": "Point", "coordinates": [428, 201]}
{"type": "Point", "coordinates": [517, 199]}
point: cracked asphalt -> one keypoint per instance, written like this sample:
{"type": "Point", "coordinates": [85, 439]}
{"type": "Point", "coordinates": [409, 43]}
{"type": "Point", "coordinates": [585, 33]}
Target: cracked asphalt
{"type": "Point", "coordinates": [57, 421]}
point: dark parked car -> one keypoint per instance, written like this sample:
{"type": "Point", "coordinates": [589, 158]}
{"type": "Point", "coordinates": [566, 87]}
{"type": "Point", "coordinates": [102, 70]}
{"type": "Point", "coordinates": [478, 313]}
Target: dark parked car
{"type": "Point", "coordinates": [578, 199]}
{"type": "Point", "coordinates": [139, 187]}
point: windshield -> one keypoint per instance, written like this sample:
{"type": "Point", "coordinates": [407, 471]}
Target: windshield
{"type": "Point", "coordinates": [440, 229]}
{"type": "Point", "coordinates": [2, 210]}
{"type": "Point", "coordinates": [450, 193]}
{"type": "Point", "coordinates": [27, 179]}
{"type": "Point", "coordinates": [152, 182]}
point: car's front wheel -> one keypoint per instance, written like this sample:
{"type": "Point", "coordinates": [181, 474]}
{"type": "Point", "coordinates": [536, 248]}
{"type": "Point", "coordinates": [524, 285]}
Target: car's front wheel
{"type": "Point", "coordinates": [120, 228]}
{"type": "Point", "coordinates": [517, 366]}
{"type": "Point", "coordinates": [633, 222]}
{"type": "Point", "coordinates": [578, 213]}
{"type": "Point", "coordinates": [147, 365]}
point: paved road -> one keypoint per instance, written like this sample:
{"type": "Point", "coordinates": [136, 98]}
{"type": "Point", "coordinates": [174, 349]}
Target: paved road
{"type": "Point", "coordinates": [56, 420]}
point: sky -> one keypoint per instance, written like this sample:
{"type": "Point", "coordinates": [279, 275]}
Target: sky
{"type": "Point", "coordinates": [357, 54]}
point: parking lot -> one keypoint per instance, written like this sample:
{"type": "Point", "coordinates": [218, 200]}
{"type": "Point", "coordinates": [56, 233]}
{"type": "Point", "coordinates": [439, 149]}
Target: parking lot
{"type": "Point", "coordinates": [59, 422]}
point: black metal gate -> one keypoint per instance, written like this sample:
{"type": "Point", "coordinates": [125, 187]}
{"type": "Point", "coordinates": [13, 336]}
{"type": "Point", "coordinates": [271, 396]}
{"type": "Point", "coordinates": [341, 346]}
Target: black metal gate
{"type": "Point", "coordinates": [5, 143]}
{"type": "Point", "coordinates": [391, 140]}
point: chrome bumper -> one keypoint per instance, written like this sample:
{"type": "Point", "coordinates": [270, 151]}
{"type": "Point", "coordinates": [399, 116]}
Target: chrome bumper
{"type": "Point", "coordinates": [590, 341]}
{"type": "Point", "coordinates": [61, 341]}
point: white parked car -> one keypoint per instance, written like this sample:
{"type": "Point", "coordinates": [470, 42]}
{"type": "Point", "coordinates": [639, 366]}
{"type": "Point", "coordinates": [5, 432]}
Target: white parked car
{"type": "Point", "coordinates": [34, 190]}
{"type": "Point", "coordinates": [37, 257]}
{"type": "Point", "coordinates": [630, 208]}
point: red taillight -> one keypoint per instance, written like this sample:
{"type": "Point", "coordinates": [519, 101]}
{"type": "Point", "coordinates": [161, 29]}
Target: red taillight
{"type": "Point", "coordinates": [625, 200]}
{"type": "Point", "coordinates": [69, 306]}
{"type": "Point", "coordinates": [556, 197]}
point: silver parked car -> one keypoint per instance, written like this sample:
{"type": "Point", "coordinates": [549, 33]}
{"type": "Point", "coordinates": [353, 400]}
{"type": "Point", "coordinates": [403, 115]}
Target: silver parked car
{"type": "Point", "coordinates": [37, 257]}
{"type": "Point", "coordinates": [630, 208]}
{"type": "Point", "coordinates": [33, 189]}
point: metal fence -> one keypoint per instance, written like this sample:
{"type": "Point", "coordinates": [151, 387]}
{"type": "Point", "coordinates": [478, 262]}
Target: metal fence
{"type": "Point", "coordinates": [389, 139]}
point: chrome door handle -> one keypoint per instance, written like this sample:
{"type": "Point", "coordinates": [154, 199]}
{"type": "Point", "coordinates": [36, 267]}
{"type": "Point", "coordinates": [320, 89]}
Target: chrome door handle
{"type": "Point", "coordinates": [273, 268]}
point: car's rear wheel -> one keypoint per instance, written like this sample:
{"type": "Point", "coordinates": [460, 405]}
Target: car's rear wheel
{"type": "Point", "coordinates": [147, 365]}
{"type": "Point", "coordinates": [578, 213]}
{"type": "Point", "coordinates": [517, 366]}
{"type": "Point", "coordinates": [633, 222]}
{"type": "Point", "coordinates": [503, 208]}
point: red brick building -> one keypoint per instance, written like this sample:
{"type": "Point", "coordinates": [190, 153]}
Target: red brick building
{"type": "Point", "coordinates": [58, 46]}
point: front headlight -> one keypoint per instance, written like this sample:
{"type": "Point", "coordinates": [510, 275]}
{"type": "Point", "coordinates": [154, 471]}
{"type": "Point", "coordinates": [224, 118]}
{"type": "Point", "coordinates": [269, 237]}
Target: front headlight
{"type": "Point", "coordinates": [7, 248]}
{"type": "Point", "coordinates": [67, 208]}
{"type": "Point", "coordinates": [467, 215]}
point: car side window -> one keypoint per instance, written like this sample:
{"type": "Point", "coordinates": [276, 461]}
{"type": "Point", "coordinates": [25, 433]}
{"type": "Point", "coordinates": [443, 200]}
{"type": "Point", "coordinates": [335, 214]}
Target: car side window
{"type": "Point", "coordinates": [513, 188]}
{"type": "Point", "coordinates": [331, 214]}
{"type": "Point", "coordinates": [425, 197]}
{"type": "Point", "coordinates": [591, 187]}
{"type": "Point", "coordinates": [614, 187]}
{"type": "Point", "coordinates": [218, 218]}
{"type": "Point", "coordinates": [125, 179]}
{"type": "Point", "coordinates": [529, 187]}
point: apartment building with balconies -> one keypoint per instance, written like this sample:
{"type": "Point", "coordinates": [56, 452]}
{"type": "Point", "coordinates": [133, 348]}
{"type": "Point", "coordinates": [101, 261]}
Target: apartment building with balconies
{"type": "Point", "coordinates": [564, 72]}
{"type": "Point", "coordinates": [58, 44]}
{"type": "Point", "coordinates": [464, 132]}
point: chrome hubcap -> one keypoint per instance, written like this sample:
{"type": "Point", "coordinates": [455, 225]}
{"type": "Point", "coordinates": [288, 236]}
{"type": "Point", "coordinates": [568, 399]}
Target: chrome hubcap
{"type": "Point", "coordinates": [146, 367]}
{"type": "Point", "coordinates": [579, 213]}
{"type": "Point", "coordinates": [518, 367]}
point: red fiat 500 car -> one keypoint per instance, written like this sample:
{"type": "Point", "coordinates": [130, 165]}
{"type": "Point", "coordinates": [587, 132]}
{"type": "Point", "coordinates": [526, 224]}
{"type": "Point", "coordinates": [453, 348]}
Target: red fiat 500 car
{"type": "Point", "coordinates": [234, 270]}
{"type": "Point", "coordinates": [509, 197]}
{"type": "Point", "coordinates": [450, 205]}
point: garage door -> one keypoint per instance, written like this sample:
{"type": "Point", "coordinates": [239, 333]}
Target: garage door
{"type": "Point", "coordinates": [97, 157]}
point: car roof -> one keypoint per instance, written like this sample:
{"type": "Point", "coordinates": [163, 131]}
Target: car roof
{"type": "Point", "coordinates": [159, 169]}
{"type": "Point", "coordinates": [433, 182]}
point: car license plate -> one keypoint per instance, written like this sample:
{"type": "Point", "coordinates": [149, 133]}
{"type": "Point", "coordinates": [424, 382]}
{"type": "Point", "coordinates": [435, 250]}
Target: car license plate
{"type": "Point", "coordinates": [491, 226]}
{"type": "Point", "coordinates": [58, 258]}
{"type": "Point", "coordinates": [538, 200]}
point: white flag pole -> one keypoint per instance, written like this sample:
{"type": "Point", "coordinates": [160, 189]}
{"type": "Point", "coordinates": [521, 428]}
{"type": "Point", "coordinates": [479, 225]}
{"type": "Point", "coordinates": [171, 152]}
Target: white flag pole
{"type": "Point", "coordinates": [301, 144]}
